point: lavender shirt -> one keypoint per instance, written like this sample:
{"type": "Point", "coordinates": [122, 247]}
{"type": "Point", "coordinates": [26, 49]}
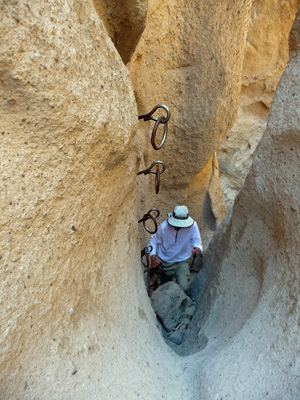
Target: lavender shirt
{"type": "Point", "coordinates": [171, 245]}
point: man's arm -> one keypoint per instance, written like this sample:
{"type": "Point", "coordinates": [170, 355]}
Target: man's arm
{"type": "Point", "coordinates": [196, 240]}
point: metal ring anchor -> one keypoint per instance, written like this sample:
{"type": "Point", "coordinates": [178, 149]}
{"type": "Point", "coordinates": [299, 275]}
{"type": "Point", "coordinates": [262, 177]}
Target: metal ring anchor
{"type": "Point", "coordinates": [160, 120]}
{"type": "Point", "coordinates": [148, 170]}
{"type": "Point", "coordinates": [148, 216]}
{"type": "Point", "coordinates": [154, 131]}
{"type": "Point", "coordinates": [148, 249]}
{"type": "Point", "coordinates": [144, 255]}
{"type": "Point", "coordinates": [158, 172]}
{"type": "Point", "coordinates": [148, 116]}
{"type": "Point", "coordinates": [157, 180]}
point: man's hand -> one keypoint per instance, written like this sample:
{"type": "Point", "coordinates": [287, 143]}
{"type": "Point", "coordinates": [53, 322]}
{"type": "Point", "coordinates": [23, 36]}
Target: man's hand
{"type": "Point", "coordinates": [155, 261]}
{"type": "Point", "coordinates": [196, 251]}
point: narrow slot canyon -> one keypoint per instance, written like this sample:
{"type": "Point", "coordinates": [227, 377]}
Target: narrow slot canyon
{"type": "Point", "coordinates": [76, 318]}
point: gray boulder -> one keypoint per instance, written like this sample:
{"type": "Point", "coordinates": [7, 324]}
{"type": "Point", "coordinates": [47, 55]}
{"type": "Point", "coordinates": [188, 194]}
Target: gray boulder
{"type": "Point", "coordinates": [172, 306]}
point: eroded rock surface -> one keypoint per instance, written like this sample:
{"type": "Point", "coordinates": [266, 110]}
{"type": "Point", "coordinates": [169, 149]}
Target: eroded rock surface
{"type": "Point", "coordinates": [75, 318]}
{"type": "Point", "coordinates": [188, 59]}
{"type": "Point", "coordinates": [266, 55]}
{"type": "Point", "coordinates": [249, 313]}
{"type": "Point", "coordinates": [124, 21]}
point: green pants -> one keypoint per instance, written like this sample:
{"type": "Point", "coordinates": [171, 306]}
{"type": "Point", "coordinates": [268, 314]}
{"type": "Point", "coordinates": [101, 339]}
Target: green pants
{"type": "Point", "coordinates": [181, 271]}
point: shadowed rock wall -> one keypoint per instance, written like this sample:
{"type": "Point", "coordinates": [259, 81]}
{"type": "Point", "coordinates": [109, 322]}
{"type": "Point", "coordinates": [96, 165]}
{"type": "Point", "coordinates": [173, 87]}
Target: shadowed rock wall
{"type": "Point", "coordinates": [248, 318]}
{"type": "Point", "coordinates": [266, 55]}
{"type": "Point", "coordinates": [124, 21]}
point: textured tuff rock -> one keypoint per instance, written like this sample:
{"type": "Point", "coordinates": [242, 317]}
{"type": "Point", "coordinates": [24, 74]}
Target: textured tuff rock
{"type": "Point", "coordinates": [266, 55]}
{"type": "Point", "coordinates": [188, 59]}
{"type": "Point", "coordinates": [75, 318]}
{"type": "Point", "coordinates": [209, 201]}
{"type": "Point", "coordinates": [124, 21]}
{"type": "Point", "coordinates": [248, 317]}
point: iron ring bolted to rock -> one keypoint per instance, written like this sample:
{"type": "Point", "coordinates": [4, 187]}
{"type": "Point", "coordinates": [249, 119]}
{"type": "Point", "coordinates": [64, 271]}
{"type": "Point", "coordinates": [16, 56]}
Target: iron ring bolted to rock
{"type": "Point", "coordinates": [148, 216]}
{"type": "Point", "coordinates": [157, 173]}
{"type": "Point", "coordinates": [153, 136]}
{"type": "Point", "coordinates": [144, 254]}
{"type": "Point", "coordinates": [149, 248]}
{"type": "Point", "coordinates": [148, 116]}
{"type": "Point", "coordinates": [160, 120]}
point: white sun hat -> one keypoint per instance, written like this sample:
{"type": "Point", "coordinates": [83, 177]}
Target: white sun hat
{"type": "Point", "coordinates": [180, 217]}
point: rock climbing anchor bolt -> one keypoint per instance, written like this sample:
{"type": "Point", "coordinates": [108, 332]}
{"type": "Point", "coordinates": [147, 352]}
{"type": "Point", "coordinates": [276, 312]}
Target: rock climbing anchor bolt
{"type": "Point", "coordinates": [148, 116]}
{"type": "Point", "coordinates": [158, 172]}
{"type": "Point", "coordinates": [154, 131]}
{"type": "Point", "coordinates": [145, 256]}
{"type": "Point", "coordinates": [151, 214]}
{"type": "Point", "coordinates": [160, 120]}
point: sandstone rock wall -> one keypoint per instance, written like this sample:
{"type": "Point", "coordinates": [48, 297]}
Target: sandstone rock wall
{"type": "Point", "coordinates": [248, 319]}
{"type": "Point", "coordinates": [188, 59]}
{"type": "Point", "coordinates": [266, 55]}
{"type": "Point", "coordinates": [75, 318]}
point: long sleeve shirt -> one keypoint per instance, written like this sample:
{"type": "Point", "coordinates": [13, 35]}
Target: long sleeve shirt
{"type": "Point", "coordinates": [172, 245]}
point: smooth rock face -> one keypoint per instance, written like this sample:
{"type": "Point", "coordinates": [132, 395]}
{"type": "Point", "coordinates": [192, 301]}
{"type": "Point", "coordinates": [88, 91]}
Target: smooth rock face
{"type": "Point", "coordinates": [266, 55]}
{"type": "Point", "coordinates": [189, 60]}
{"type": "Point", "coordinates": [249, 313]}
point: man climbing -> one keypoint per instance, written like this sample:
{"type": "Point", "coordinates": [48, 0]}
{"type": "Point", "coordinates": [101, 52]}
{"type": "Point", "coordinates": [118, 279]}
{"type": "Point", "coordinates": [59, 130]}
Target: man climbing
{"type": "Point", "coordinates": [173, 243]}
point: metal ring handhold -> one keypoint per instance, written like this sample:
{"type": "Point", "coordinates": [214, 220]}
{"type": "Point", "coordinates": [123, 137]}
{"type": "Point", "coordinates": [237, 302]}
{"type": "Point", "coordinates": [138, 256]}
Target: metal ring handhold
{"type": "Point", "coordinates": [145, 254]}
{"type": "Point", "coordinates": [154, 216]}
{"type": "Point", "coordinates": [148, 170]}
{"type": "Point", "coordinates": [148, 116]}
{"type": "Point", "coordinates": [148, 216]}
{"type": "Point", "coordinates": [153, 136]}
{"type": "Point", "coordinates": [149, 248]}
{"type": "Point", "coordinates": [155, 224]}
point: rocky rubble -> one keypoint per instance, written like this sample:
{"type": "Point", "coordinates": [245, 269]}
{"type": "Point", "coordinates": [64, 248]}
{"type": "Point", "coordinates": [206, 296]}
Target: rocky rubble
{"type": "Point", "coordinates": [174, 309]}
